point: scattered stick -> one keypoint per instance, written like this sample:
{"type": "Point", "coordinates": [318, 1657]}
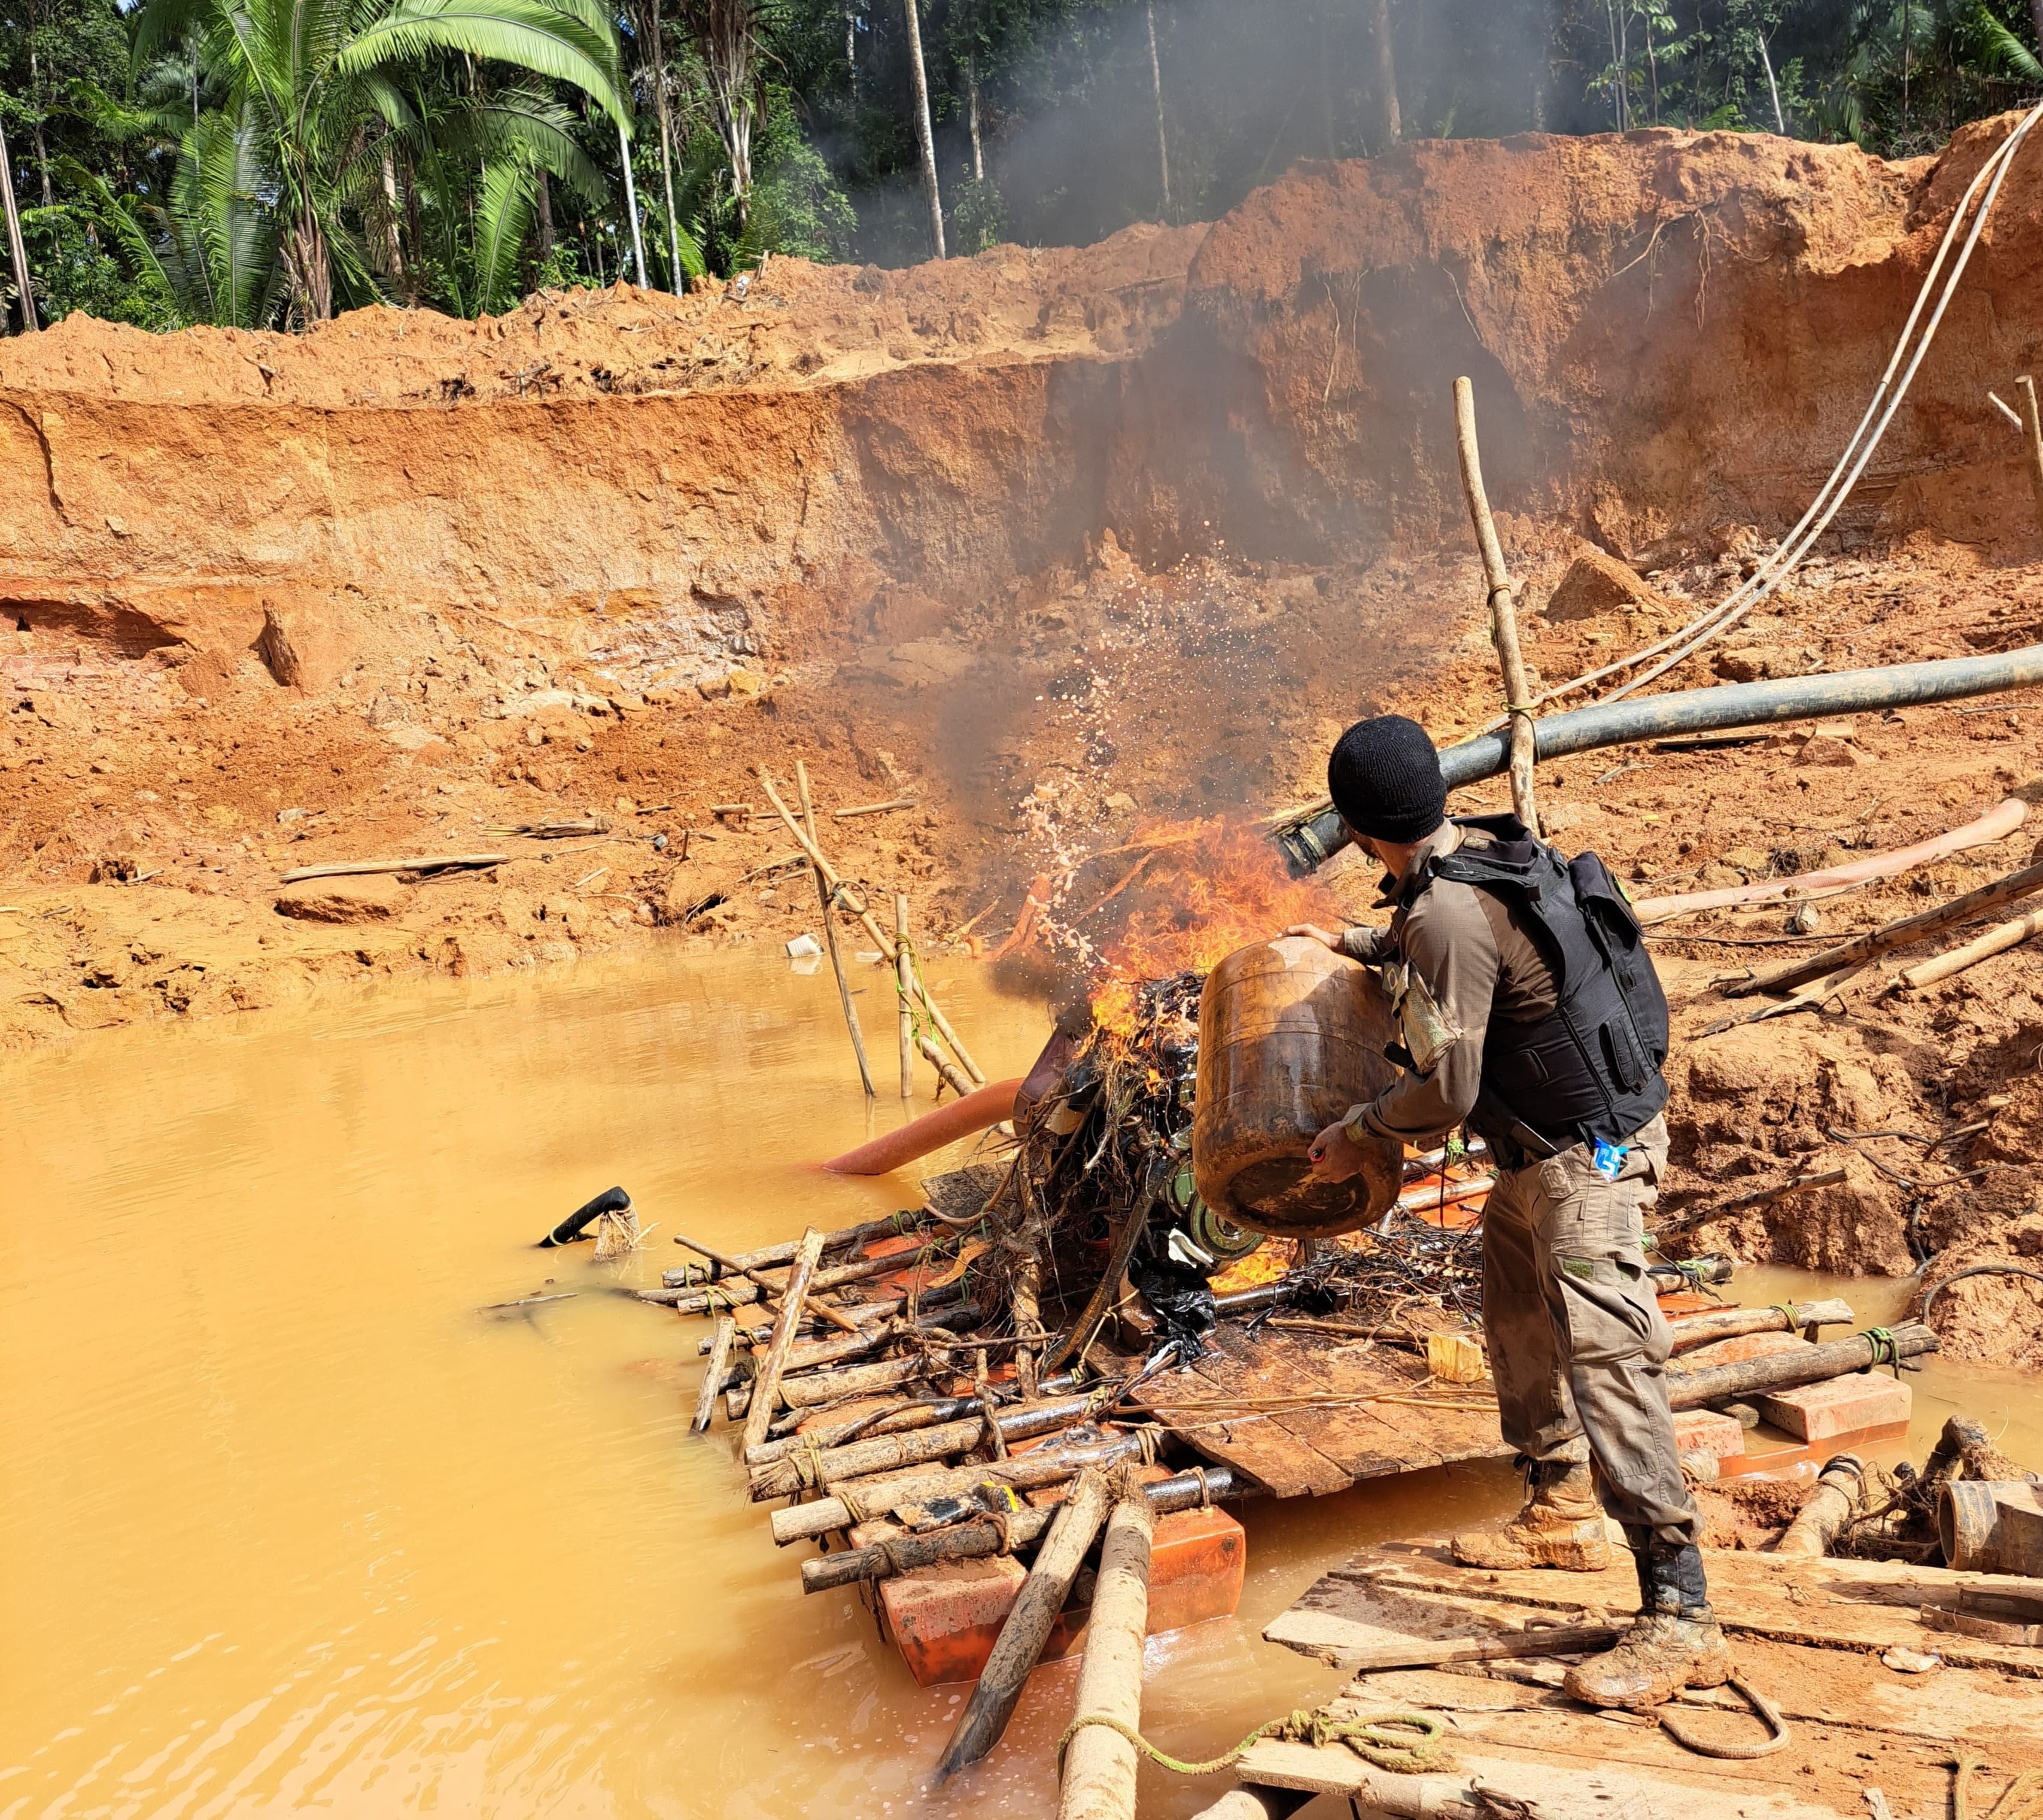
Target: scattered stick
{"type": "Point", "coordinates": [1903, 934]}
{"type": "Point", "coordinates": [1996, 941]}
{"type": "Point", "coordinates": [721, 1295]}
{"type": "Point", "coordinates": [1997, 824]}
{"type": "Point", "coordinates": [426, 863]}
{"type": "Point", "coordinates": [556, 830]}
{"type": "Point", "coordinates": [767, 1383]}
{"type": "Point", "coordinates": [719, 1365]}
{"type": "Point", "coordinates": [844, 897]}
{"type": "Point", "coordinates": [811, 1305]}
{"type": "Point", "coordinates": [1028, 1627]}
{"type": "Point", "coordinates": [782, 865]}
{"type": "Point", "coordinates": [885, 808]}
{"type": "Point", "coordinates": [527, 1302]}
{"type": "Point", "coordinates": [829, 938]}
{"type": "Point", "coordinates": [895, 1225]}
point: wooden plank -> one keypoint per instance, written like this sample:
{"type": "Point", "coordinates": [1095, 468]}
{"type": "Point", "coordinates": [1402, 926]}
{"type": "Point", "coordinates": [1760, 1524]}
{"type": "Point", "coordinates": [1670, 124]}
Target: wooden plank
{"type": "Point", "coordinates": [1418, 1590]}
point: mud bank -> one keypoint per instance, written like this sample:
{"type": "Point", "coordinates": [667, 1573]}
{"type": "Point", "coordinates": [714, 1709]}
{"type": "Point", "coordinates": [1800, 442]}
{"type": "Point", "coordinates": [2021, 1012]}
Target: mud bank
{"type": "Point", "coordinates": [1057, 545]}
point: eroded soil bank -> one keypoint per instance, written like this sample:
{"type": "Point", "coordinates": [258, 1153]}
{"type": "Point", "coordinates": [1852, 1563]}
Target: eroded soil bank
{"type": "Point", "coordinates": [1062, 545]}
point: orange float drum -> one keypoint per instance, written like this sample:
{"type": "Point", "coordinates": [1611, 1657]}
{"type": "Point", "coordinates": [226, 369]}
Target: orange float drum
{"type": "Point", "coordinates": [1290, 1037]}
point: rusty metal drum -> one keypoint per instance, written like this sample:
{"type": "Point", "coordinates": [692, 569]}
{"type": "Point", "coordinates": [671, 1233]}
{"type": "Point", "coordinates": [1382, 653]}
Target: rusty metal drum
{"type": "Point", "coordinates": [1290, 1037]}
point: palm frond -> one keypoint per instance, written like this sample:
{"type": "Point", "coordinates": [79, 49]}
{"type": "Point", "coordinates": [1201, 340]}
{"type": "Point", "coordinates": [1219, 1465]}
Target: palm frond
{"type": "Point", "coordinates": [529, 34]}
{"type": "Point", "coordinates": [159, 25]}
{"type": "Point", "coordinates": [522, 120]}
{"type": "Point", "coordinates": [2000, 51]}
{"type": "Point", "coordinates": [503, 216]}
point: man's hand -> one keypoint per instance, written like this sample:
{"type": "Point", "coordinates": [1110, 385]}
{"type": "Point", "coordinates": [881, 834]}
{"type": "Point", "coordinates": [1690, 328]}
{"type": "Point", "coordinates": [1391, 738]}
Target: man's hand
{"type": "Point", "coordinates": [1334, 1155]}
{"type": "Point", "coordinates": [1313, 932]}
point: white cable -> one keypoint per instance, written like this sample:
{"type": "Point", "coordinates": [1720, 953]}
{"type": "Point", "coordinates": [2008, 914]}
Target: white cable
{"type": "Point", "coordinates": [1831, 497]}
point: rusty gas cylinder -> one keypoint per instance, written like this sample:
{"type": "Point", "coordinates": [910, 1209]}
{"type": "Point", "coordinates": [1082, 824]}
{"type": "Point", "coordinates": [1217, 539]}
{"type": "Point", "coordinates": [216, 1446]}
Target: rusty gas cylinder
{"type": "Point", "coordinates": [1290, 1037]}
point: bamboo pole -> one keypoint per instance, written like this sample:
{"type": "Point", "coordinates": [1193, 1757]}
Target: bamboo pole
{"type": "Point", "coordinates": [2033, 422]}
{"type": "Point", "coordinates": [1502, 610]}
{"type": "Point", "coordinates": [18, 254]}
{"type": "Point", "coordinates": [1787, 1370]}
{"type": "Point", "coordinates": [829, 938]}
{"type": "Point", "coordinates": [810, 1305]}
{"type": "Point", "coordinates": [904, 971]}
{"type": "Point", "coordinates": [1100, 1760]}
{"type": "Point", "coordinates": [952, 1076]}
{"type": "Point", "coordinates": [1052, 1464]}
{"type": "Point", "coordinates": [1996, 941]}
{"type": "Point", "coordinates": [720, 1364]}
{"type": "Point", "coordinates": [901, 1419]}
{"type": "Point", "coordinates": [768, 1382]}
{"type": "Point", "coordinates": [1893, 935]}
{"type": "Point", "coordinates": [854, 906]}
{"type": "Point", "coordinates": [1028, 1627]}
{"type": "Point", "coordinates": [804, 1471]}
{"type": "Point", "coordinates": [974, 1540]}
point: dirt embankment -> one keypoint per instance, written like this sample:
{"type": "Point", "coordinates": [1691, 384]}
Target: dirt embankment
{"type": "Point", "coordinates": [1056, 543]}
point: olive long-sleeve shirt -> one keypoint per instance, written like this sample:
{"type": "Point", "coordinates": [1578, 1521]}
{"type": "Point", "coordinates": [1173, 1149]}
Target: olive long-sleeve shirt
{"type": "Point", "coordinates": [1479, 963]}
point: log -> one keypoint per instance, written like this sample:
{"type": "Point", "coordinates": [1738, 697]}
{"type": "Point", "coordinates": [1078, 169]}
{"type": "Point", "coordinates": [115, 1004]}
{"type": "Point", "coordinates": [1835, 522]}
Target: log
{"type": "Point", "coordinates": [974, 1540]}
{"type": "Point", "coordinates": [804, 1469]}
{"type": "Point", "coordinates": [902, 1419]}
{"type": "Point", "coordinates": [426, 863]}
{"type": "Point", "coordinates": [984, 1106]}
{"type": "Point", "coordinates": [810, 1305]}
{"type": "Point", "coordinates": [842, 894]}
{"type": "Point", "coordinates": [1996, 941]}
{"type": "Point", "coordinates": [1893, 935]}
{"type": "Point", "coordinates": [719, 1365]}
{"type": "Point", "coordinates": [829, 938]}
{"type": "Point", "coordinates": [1824, 1510]}
{"type": "Point", "coordinates": [1783, 1370]}
{"type": "Point", "coordinates": [1028, 1627]}
{"type": "Point", "coordinates": [727, 1295]}
{"type": "Point", "coordinates": [1253, 1801]}
{"type": "Point", "coordinates": [1728, 1324]}
{"type": "Point", "coordinates": [952, 1075]}
{"type": "Point", "coordinates": [1503, 611]}
{"type": "Point", "coordinates": [1100, 1762]}
{"type": "Point", "coordinates": [800, 1273]}
{"type": "Point", "coordinates": [864, 1314]}
{"type": "Point", "coordinates": [835, 1352]}
{"type": "Point", "coordinates": [1429, 1653]}
{"type": "Point", "coordinates": [1996, 824]}
{"type": "Point", "coordinates": [814, 1388]}
{"type": "Point", "coordinates": [1050, 1464]}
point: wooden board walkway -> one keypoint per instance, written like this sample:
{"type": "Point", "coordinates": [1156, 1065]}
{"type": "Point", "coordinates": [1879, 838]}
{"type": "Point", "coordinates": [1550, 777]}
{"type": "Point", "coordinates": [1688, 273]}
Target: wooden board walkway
{"type": "Point", "coordinates": [1807, 1633]}
{"type": "Point", "coordinates": [1239, 1405]}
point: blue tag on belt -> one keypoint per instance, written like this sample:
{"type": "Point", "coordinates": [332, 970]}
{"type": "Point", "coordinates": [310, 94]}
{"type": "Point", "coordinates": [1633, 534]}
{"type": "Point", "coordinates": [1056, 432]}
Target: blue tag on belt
{"type": "Point", "coordinates": [1609, 1159]}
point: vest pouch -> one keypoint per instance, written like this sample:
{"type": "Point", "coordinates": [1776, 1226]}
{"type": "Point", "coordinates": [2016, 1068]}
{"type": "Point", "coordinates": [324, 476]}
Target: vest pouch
{"type": "Point", "coordinates": [1623, 1057]}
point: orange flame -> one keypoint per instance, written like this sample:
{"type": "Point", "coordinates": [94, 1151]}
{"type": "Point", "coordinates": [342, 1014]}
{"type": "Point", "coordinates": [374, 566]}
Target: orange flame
{"type": "Point", "coordinates": [1203, 890]}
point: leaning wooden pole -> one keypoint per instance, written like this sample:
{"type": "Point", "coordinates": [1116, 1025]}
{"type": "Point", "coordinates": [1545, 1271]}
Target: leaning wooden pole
{"type": "Point", "coordinates": [854, 906]}
{"type": "Point", "coordinates": [830, 939]}
{"type": "Point", "coordinates": [1502, 610]}
{"type": "Point", "coordinates": [904, 972]}
{"type": "Point", "coordinates": [767, 1382]}
{"type": "Point", "coordinates": [1028, 1627]}
{"type": "Point", "coordinates": [1099, 1757]}
{"type": "Point", "coordinates": [2032, 424]}
{"type": "Point", "coordinates": [18, 254]}
{"type": "Point", "coordinates": [719, 1363]}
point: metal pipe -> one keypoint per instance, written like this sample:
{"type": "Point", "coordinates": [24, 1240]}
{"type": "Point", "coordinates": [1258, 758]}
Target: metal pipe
{"type": "Point", "coordinates": [1314, 839]}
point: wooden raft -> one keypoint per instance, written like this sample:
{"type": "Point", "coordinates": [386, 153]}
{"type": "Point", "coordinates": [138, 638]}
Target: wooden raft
{"type": "Point", "coordinates": [1808, 1635]}
{"type": "Point", "coordinates": [1391, 1420]}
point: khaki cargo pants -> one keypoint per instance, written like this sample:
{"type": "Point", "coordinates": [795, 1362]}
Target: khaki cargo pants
{"type": "Point", "coordinates": [1577, 1340]}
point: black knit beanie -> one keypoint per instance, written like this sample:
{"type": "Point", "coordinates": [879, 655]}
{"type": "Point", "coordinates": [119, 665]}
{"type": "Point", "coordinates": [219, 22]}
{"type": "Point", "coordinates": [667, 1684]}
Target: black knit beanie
{"type": "Point", "coordinates": [1385, 779]}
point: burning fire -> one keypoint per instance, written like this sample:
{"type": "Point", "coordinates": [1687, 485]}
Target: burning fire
{"type": "Point", "coordinates": [1190, 894]}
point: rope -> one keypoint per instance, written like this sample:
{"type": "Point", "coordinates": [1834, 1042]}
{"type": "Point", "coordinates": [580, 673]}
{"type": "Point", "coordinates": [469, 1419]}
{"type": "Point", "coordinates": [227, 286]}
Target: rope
{"type": "Point", "coordinates": [1206, 1490]}
{"type": "Point", "coordinates": [1381, 1739]}
{"type": "Point", "coordinates": [855, 1512]}
{"type": "Point", "coordinates": [1884, 1351]}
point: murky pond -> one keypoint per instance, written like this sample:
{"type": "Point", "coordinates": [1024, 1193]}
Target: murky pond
{"type": "Point", "coordinates": [286, 1523]}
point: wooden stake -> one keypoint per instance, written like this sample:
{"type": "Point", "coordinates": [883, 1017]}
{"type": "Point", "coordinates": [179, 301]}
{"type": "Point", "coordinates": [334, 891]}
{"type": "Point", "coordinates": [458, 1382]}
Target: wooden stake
{"type": "Point", "coordinates": [2033, 422]}
{"type": "Point", "coordinates": [719, 1365]}
{"type": "Point", "coordinates": [829, 938]}
{"type": "Point", "coordinates": [767, 1383]}
{"type": "Point", "coordinates": [1893, 935]}
{"type": "Point", "coordinates": [852, 905]}
{"type": "Point", "coordinates": [1099, 1761]}
{"type": "Point", "coordinates": [1503, 611]}
{"type": "Point", "coordinates": [1028, 1627]}
{"type": "Point", "coordinates": [904, 969]}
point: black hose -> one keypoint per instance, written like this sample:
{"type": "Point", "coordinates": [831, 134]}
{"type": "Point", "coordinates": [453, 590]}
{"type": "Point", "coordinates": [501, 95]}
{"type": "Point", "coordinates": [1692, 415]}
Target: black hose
{"type": "Point", "coordinates": [1928, 1301]}
{"type": "Point", "coordinates": [610, 1201]}
{"type": "Point", "coordinates": [1310, 844]}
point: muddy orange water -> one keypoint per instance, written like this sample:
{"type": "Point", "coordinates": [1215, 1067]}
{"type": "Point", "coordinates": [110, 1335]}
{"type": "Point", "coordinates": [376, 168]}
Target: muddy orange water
{"type": "Point", "coordinates": [287, 1525]}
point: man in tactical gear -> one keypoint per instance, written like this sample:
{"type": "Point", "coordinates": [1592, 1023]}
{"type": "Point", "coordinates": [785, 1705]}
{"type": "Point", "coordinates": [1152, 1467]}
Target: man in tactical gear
{"type": "Point", "coordinates": [1529, 1011]}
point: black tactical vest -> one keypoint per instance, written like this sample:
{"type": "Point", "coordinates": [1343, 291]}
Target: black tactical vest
{"type": "Point", "coordinates": [1590, 1069]}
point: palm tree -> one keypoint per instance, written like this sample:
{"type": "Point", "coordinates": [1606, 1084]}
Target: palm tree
{"type": "Point", "coordinates": [314, 87]}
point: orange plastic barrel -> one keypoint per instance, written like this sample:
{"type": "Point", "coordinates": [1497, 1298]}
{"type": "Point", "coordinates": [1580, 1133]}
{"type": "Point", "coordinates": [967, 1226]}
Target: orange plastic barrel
{"type": "Point", "coordinates": [1291, 1037]}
